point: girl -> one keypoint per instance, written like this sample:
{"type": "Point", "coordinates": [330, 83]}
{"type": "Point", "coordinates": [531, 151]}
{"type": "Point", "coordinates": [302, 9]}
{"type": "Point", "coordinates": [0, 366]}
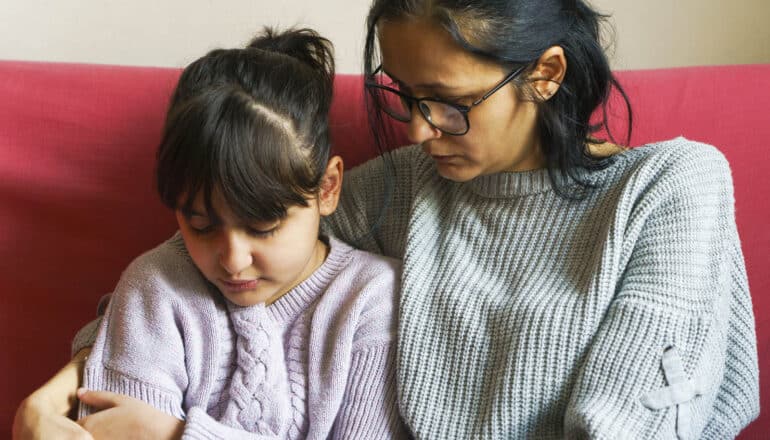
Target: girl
{"type": "Point", "coordinates": [554, 285]}
{"type": "Point", "coordinates": [248, 323]}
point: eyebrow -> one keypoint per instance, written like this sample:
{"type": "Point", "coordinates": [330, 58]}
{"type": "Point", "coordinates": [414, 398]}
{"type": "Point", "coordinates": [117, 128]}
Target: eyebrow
{"type": "Point", "coordinates": [431, 85]}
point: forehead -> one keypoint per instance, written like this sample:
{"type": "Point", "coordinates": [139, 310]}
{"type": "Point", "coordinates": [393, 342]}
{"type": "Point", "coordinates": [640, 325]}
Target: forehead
{"type": "Point", "coordinates": [421, 52]}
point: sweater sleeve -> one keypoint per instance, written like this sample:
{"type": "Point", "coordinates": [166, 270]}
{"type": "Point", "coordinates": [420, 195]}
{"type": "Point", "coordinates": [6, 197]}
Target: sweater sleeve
{"type": "Point", "coordinates": [373, 212]}
{"type": "Point", "coordinates": [126, 358]}
{"type": "Point", "coordinates": [675, 355]}
{"type": "Point", "coordinates": [369, 409]}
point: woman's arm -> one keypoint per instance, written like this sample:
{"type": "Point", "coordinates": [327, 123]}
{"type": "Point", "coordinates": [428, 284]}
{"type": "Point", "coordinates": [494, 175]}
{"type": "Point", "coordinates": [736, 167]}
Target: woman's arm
{"type": "Point", "coordinates": [375, 203]}
{"type": "Point", "coordinates": [44, 414]}
{"type": "Point", "coordinates": [120, 417]}
{"type": "Point", "coordinates": [675, 355]}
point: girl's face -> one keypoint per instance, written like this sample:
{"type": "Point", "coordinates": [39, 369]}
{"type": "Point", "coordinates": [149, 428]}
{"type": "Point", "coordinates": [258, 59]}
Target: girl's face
{"type": "Point", "coordinates": [253, 263]}
{"type": "Point", "coordinates": [427, 62]}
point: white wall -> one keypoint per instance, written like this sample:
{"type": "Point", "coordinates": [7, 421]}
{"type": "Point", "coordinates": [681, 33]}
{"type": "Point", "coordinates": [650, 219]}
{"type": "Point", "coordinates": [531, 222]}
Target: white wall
{"type": "Point", "coordinates": [650, 33]}
{"type": "Point", "coordinates": [661, 33]}
{"type": "Point", "coordinates": [166, 32]}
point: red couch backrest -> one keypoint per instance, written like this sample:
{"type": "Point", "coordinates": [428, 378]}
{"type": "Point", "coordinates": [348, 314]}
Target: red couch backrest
{"type": "Point", "coordinates": [77, 202]}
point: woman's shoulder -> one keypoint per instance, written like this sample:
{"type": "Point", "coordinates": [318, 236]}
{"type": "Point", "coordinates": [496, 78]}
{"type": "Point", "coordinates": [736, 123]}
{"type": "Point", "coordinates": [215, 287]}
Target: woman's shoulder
{"type": "Point", "coordinates": [405, 157]}
{"type": "Point", "coordinates": [669, 166]}
{"type": "Point", "coordinates": [672, 154]}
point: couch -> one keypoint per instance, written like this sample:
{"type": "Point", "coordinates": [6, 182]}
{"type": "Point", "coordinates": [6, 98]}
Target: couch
{"type": "Point", "coordinates": [77, 201]}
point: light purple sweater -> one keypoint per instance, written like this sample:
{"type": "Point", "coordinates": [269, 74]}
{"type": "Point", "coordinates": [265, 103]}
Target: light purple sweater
{"type": "Point", "coordinates": [318, 363]}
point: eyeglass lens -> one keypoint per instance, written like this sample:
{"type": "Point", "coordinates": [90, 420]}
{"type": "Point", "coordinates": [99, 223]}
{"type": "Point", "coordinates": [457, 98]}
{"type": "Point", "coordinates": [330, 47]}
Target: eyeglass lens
{"type": "Point", "coordinates": [441, 115]}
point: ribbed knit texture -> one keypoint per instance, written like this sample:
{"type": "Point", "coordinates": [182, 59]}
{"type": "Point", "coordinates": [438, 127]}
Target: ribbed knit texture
{"type": "Point", "coordinates": [316, 364]}
{"type": "Point", "coordinates": [526, 315]}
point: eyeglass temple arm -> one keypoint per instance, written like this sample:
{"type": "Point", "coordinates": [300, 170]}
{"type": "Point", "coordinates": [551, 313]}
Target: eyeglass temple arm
{"type": "Point", "coordinates": [505, 81]}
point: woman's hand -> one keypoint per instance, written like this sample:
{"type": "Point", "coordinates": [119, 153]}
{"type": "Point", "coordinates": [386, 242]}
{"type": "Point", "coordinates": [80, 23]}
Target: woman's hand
{"type": "Point", "coordinates": [37, 419]}
{"type": "Point", "coordinates": [123, 417]}
{"type": "Point", "coordinates": [43, 415]}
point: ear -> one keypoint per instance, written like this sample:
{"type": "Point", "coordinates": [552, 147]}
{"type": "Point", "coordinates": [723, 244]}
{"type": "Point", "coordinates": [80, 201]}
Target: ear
{"type": "Point", "coordinates": [331, 185]}
{"type": "Point", "coordinates": [549, 72]}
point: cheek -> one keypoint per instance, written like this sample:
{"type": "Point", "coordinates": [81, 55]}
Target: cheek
{"type": "Point", "coordinates": [201, 254]}
{"type": "Point", "coordinates": [296, 243]}
{"type": "Point", "coordinates": [495, 133]}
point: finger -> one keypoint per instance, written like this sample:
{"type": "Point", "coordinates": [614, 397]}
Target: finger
{"type": "Point", "coordinates": [100, 399]}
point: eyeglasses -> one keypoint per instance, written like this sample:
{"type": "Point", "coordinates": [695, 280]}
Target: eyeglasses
{"type": "Point", "coordinates": [450, 118]}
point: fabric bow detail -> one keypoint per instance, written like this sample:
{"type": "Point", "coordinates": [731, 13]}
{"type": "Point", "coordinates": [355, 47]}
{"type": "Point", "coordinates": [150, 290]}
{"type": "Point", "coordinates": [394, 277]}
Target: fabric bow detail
{"type": "Point", "coordinates": [679, 392]}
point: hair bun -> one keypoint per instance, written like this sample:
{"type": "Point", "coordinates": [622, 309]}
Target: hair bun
{"type": "Point", "coordinates": [305, 45]}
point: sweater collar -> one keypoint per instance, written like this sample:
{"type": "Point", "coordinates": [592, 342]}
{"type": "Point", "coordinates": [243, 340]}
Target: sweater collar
{"type": "Point", "coordinates": [523, 183]}
{"type": "Point", "coordinates": [511, 184]}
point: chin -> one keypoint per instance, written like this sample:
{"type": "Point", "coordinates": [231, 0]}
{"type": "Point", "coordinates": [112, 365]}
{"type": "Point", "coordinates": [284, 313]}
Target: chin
{"type": "Point", "coordinates": [457, 174]}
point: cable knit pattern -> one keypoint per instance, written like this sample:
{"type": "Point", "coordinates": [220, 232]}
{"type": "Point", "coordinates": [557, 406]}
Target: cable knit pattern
{"type": "Point", "coordinates": [227, 360]}
{"type": "Point", "coordinates": [525, 315]}
{"type": "Point", "coordinates": [296, 367]}
{"type": "Point", "coordinates": [296, 364]}
{"type": "Point", "coordinates": [258, 399]}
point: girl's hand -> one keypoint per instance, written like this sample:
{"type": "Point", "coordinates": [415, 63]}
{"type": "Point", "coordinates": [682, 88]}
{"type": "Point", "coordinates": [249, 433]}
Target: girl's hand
{"type": "Point", "coordinates": [123, 417]}
{"type": "Point", "coordinates": [37, 419]}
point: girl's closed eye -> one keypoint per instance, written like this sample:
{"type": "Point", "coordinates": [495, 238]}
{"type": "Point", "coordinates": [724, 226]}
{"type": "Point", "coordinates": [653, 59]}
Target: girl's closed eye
{"type": "Point", "coordinates": [200, 224]}
{"type": "Point", "coordinates": [261, 231]}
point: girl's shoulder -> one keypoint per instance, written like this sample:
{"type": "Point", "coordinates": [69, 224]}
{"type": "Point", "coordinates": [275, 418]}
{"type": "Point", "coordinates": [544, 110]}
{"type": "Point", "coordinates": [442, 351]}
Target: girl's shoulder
{"type": "Point", "coordinates": [167, 267]}
{"type": "Point", "coordinates": [366, 290]}
{"type": "Point", "coordinates": [169, 255]}
{"type": "Point", "coordinates": [364, 268]}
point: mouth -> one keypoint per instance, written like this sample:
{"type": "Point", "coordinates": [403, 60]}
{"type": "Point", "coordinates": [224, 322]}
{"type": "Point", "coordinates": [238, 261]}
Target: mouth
{"type": "Point", "coordinates": [236, 286]}
{"type": "Point", "coordinates": [441, 158]}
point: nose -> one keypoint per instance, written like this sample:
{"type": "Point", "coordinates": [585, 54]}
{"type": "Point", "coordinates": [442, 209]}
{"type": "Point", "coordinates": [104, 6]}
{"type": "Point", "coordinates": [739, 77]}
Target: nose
{"type": "Point", "coordinates": [420, 130]}
{"type": "Point", "coordinates": [234, 253]}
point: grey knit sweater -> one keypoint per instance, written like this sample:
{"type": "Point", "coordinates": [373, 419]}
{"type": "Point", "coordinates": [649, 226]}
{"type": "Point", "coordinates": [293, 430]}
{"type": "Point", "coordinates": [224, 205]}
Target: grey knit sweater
{"type": "Point", "coordinates": [526, 315]}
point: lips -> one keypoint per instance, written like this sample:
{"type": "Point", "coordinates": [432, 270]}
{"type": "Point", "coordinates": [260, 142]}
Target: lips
{"type": "Point", "coordinates": [236, 286]}
{"type": "Point", "coordinates": [440, 158]}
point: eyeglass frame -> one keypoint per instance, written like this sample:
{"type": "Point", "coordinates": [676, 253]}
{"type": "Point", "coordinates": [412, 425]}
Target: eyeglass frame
{"type": "Point", "coordinates": [461, 108]}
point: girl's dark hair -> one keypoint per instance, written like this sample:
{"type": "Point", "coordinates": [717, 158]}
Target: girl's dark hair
{"type": "Point", "coordinates": [516, 33]}
{"type": "Point", "coordinates": [251, 124]}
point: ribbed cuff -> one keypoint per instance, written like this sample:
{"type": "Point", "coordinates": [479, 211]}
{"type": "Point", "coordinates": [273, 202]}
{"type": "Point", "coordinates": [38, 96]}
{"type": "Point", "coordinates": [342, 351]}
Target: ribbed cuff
{"type": "Point", "coordinates": [370, 409]}
{"type": "Point", "coordinates": [97, 378]}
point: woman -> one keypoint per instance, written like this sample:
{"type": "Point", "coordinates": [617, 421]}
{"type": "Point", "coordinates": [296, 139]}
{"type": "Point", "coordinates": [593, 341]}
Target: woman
{"type": "Point", "coordinates": [554, 285]}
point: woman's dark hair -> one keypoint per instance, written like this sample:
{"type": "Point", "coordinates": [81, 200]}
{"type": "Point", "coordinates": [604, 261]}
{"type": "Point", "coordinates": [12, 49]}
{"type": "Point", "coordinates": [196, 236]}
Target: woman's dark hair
{"type": "Point", "coordinates": [516, 33]}
{"type": "Point", "coordinates": [251, 124]}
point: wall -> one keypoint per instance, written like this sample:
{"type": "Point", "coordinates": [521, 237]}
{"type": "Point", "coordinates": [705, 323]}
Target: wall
{"type": "Point", "coordinates": [650, 33]}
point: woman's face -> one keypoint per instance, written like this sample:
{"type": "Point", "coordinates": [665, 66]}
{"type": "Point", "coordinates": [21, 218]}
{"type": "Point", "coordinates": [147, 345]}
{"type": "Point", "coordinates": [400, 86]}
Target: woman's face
{"type": "Point", "coordinates": [427, 62]}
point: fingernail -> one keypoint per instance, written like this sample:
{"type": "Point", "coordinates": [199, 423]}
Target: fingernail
{"type": "Point", "coordinates": [81, 391]}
